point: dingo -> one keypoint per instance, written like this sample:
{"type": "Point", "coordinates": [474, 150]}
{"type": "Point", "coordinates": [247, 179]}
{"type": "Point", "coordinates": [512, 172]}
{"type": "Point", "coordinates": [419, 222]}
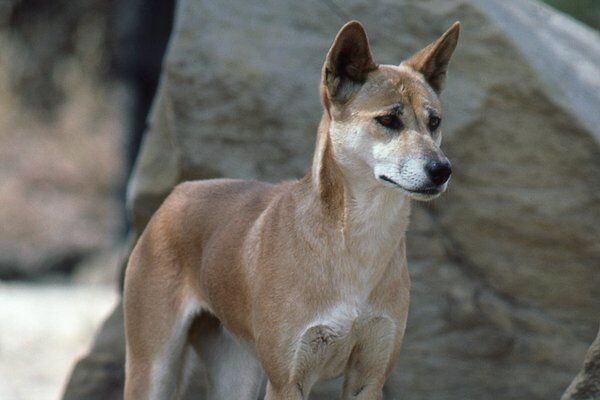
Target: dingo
{"type": "Point", "coordinates": [305, 280]}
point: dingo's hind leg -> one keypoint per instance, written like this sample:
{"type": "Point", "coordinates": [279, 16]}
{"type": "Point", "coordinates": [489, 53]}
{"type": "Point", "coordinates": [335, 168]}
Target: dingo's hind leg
{"type": "Point", "coordinates": [154, 363]}
{"type": "Point", "coordinates": [157, 322]}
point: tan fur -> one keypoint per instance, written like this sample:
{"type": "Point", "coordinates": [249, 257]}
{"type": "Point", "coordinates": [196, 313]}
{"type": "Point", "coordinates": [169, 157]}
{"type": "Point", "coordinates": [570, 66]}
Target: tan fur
{"type": "Point", "coordinates": [304, 280]}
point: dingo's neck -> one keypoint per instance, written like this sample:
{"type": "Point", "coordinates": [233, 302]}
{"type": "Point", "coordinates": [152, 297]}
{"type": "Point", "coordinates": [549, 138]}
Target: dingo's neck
{"type": "Point", "coordinates": [373, 218]}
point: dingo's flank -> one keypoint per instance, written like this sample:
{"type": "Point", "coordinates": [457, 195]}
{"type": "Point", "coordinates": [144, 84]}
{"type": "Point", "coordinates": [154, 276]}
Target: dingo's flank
{"type": "Point", "coordinates": [302, 281]}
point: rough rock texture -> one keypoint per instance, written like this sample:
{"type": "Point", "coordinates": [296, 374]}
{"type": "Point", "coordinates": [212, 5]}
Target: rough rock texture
{"type": "Point", "coordinates": [586, 385]}
{"type": "Point", "coordinates": [100, 375]}
{"type": "Point", "coordinates": [506, 289]}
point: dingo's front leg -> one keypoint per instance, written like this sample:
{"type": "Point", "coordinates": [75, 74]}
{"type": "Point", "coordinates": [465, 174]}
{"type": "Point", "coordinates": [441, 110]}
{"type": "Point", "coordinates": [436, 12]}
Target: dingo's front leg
{"type": "Point", "coordinates": [289, 392]}
{"type": "Point", "coordinates": [369, 363]}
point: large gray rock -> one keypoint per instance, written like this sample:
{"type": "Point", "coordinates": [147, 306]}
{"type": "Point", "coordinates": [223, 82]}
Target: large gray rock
{"type": "Point", "coordinates": [101, 374]}
{"type": "Point", "coordinates": [586, 385]}
{"type": "Point", "coordinates": [506, 289]}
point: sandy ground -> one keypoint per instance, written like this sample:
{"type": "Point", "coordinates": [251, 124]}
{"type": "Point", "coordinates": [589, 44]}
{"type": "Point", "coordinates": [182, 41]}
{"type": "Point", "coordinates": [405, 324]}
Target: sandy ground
{"type": "Point", "coordinates": [43, 329]}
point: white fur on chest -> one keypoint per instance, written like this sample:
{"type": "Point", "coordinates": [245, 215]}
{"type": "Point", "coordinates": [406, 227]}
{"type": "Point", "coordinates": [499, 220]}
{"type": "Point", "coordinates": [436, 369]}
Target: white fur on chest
{"type": "Point", "coordinates": [376, 221]}
{"type": "Point", "coordinates": [375, 226]}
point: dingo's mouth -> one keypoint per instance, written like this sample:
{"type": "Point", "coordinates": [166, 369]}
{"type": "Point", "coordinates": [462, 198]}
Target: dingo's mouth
{"type": "Point", "coordinates": [432, 191]}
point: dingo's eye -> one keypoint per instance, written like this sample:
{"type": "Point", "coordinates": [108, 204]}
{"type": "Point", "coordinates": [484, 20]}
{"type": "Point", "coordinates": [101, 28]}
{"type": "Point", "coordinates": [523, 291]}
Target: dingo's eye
{"type": "Point", "coordinates": [434, 122]}
{"type": "Point", "coordinates": [390, 121]}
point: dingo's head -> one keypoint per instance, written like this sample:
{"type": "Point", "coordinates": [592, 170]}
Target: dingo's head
{"type": "Point", "coordinates": [385, 119]}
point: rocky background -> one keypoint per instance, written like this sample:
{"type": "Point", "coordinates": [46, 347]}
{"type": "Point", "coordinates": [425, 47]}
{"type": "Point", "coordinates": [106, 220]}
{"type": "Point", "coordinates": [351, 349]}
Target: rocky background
{"type": "Point", "coordinates": [76, 81]}
{"type": "Point", "coordinates": [505, 266]}
{"type": "Point", "coordinates": [62, 137]}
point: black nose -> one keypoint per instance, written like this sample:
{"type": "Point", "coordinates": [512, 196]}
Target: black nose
{"type": "Point", "coordinates": [438, 172]}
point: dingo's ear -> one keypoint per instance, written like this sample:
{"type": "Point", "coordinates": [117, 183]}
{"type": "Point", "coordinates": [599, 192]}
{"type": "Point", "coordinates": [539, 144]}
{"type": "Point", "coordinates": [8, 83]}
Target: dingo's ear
{"type": "Point", "coordinates": [433, 60]}
{"type": "Point", "coordinates": [348, 62]}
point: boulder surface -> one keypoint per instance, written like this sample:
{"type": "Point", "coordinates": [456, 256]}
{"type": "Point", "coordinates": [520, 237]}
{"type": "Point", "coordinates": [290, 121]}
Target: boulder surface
{"type": "Point", "coordinates": [586, 384]}
{"type": "Point", "coordinates": [506, 289]}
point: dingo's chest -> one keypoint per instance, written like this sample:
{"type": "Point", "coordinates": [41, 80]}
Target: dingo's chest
{"type": "Point", "coordinates": [340, 337]}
